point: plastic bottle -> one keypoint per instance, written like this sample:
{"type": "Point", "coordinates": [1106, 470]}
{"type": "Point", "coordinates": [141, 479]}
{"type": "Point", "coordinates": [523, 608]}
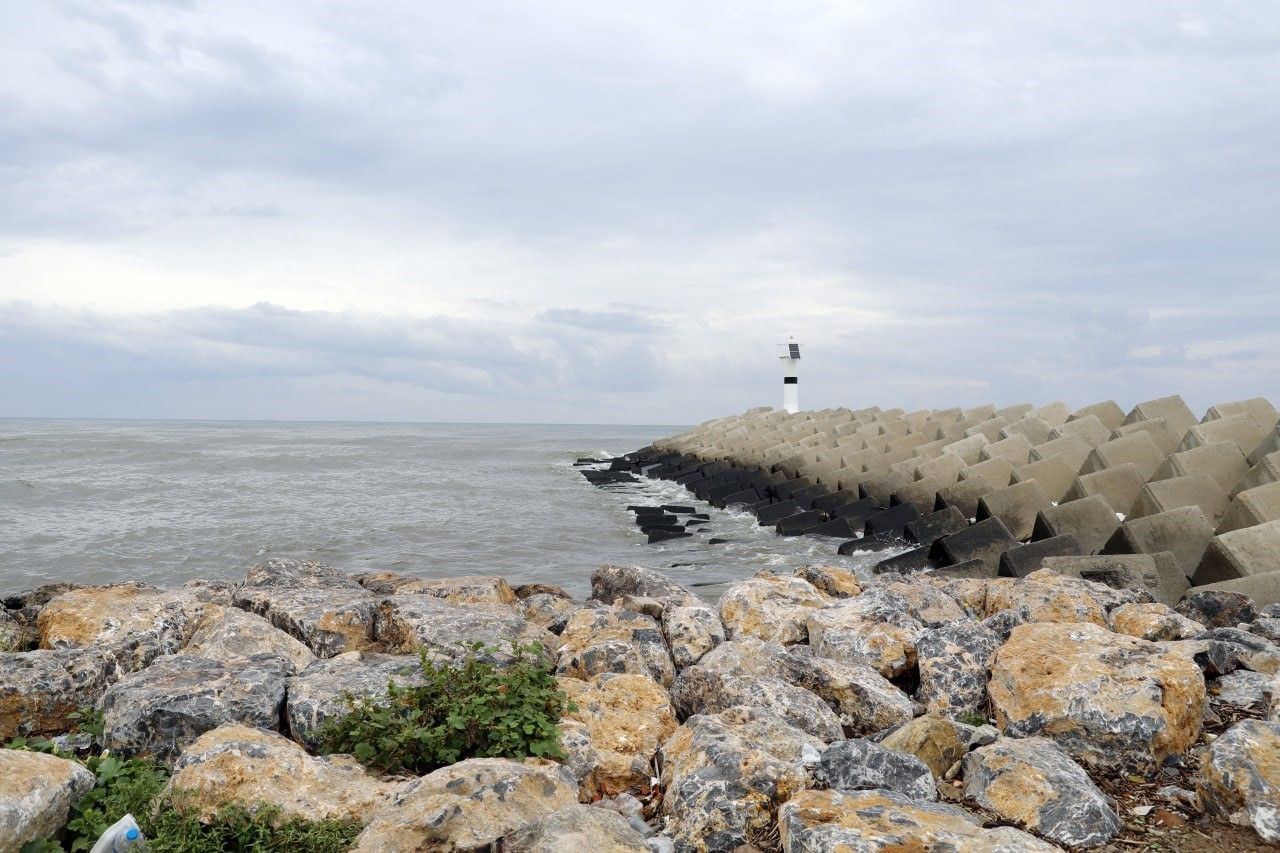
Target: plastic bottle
{"type": "Point", "coordinates": [123, 835]}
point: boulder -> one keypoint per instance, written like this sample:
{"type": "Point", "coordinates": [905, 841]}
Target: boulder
{"type": "Point", "coordinates": [954, 662]}
{"type": "Point", "coordinates": [1033, 783]}
{"type": "Point", "coordinates": [938, 742]}
{"type": "Point", "coordinates": [608, 639]}
{"type": "Point", "coordinates": [236, 765]}
{"type": "Point", "coordinates": [1239, 777]}
{"type": "Point", "coordinates": [577, 827]}
{"type": "Point", "coordinates": [410, 622]}
{"type": "Point", "coordinates": [137, 622]}
{"type": "Point", "coordinates": [859, 765]}
{"type": "Point", "coordinates": [547, 611]}
{"type": "Point", "coordinates": [867, 821]}
{"type": "Point", "coordinates": [1263, 589]}
{"type": "Point", "coordinates": [713, 686]}
{"type": "Point", "coordinates": [770, 607]}
{"type": "Point", "coordinates": [297, 574]}
{"type": "Point", "coordinates": [329, 619]}
{"type": "Point", "coordinates": [468, 806]}
{"type": "Point", "coordinates": [162, 709]}
{"type": "Point", "coordinates": [229, 634]}
{"type": "Point", "coordinates": [725, 774]}
{"type": "Point", "coordinates": [691, 630]}
{"type": "Point", "coordinates": [40, 690]}
{"type": "Point", "coordinates": [15, 636]}
{"type": "Point", "coordinates": [1111, 701]}
{"type": "Point", "coordinates": [468, 589]}
{"type": "Point", "coordinates": [609, 583]}
{"type": "Point", "coordinates": [1047, 596]}
{"type": "Point", "coordinates": [831, 580]}
{"type": "Point", "coordinates": [37, 793]}
{"type": "Point", "coordinates": [318, 694]}
{"type": "Point", "coordinates": [875, 628]}
{"type": "Point", "coordinates": [1152, 621]}
{"type": "Point", "coordinates": [625, 718]}
{"type": "Point", "coordinates": [1217, 609]}
{"type": "Point", "coordinates": [865, 701]}
{"type": "Point", "coordinates": [1241, 689]}
{"type": "Point", "coordinates": [928, 604]}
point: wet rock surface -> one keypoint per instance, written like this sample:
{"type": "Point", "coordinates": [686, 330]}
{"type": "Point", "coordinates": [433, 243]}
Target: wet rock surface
{"type": "Point", "coordinates": [1033, 783]}
{"type": "Point", "coordinates": [37, 792]}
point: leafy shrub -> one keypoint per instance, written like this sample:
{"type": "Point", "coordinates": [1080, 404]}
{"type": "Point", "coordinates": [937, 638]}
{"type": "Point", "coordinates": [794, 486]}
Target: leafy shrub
{"type": "Point", "coordinates": [466, 709]}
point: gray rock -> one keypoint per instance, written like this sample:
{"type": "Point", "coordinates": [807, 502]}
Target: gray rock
{"type": "Point", "coordinates": [229, 634]}
{"type": "Point", "coordinates": [1231, 649]}
{"type": "Point", "coordinates": [1240, 689]}
{"type": "Point", "coordinates": [25, 606]}
{"type": "Point", "coordinates": [37, 792]}
{"type": "Point", "coordinates": [297, 574]}
{"type": "Point", "coordinates": [317, 694]}
{"type": "Point", "coordinates": [954, 663]}
{"type": "Point", "coordinates": [163, 709]}
{"type": "Point", "coordinates": [14, 636]}
{"type": "Point", "coordinates": [408, 622]}
{"type": "Point", "coordinates": [703, 690]}
{"type": "Point", "coordinates": [1216, 608]}
{"type": "Point", "coordinates": [1266, 626]}
{"type": "Point", "coordinates": [39, 690]}
{"type": "Point", "coordinates": [548, 611]}
{"type": "Point", "coordinates": [876, 628]}
{"type": "Point", "coordinates": [1032, 782]}
{"type": "Point", "coordinates": [857, 765]}
{"type": "Point", "coordinates": [577, 827]}
{"type": "Point", "coordinates": [610, 583]}
{"type": "Point", "coordinates": [330, 620]}
{"type": "Point", "coordinates": [608, 639]}
{"type": "Point", "coordinates": [1239, 777]}
{"type": "Point", "coordinates": [865, 701]}
{"type": "Point", "coordinates": [691, 630]}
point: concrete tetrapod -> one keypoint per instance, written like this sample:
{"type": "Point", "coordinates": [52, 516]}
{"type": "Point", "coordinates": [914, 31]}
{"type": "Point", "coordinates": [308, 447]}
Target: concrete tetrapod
{"type": "Point", "coordinates": [984, 541]}
{"type": "Point", "coordinates": [1120, 486]}
{"type": "Point", "coordinates": [1241, 430]}
{"type": "Point", "coordinates": [1173, 409]}
{"type": "Point", "coordinates": [1198, 490]}
{"type": "Point", "coordinates": [1015, 506]}
{"type": "Point", "coordinates": [1088, 429]}
{"type": "Point", "coordinates": [1071, 448]}
{"type": "Point", "coordinates": [1159, 430]}
{"type": "Point", "coordinates": [1263, 589]}
{"type": "Point", "coordinates": [1240, 553]}
{"type": "Point", "coordinates": [1184, 531]}
{"type": "Point", "coordinates": [1222, 461]}
{"type": "Point", "coordinates": [1158, 573]}
{"type": "Point", "coordinates": [1265, 470]}
{"type": "Point", "coordinates": [1108, 413]}
{"type": "Point", "coordinates": [1139, 449]}
{"type": "Point", "coordinates": [1054, 475]}
{"type": "Point", "coordinates": [1022, 560]}
{"type": "Point", "coordinates": [1091, 521]}
{"type": "Point", "coordinates": [1252, 506]}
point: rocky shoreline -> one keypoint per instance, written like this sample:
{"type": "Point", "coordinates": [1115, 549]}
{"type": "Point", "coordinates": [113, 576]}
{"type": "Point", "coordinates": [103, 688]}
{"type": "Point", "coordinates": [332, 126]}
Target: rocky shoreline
{"type": "Point", "coordinates": [979, 701]}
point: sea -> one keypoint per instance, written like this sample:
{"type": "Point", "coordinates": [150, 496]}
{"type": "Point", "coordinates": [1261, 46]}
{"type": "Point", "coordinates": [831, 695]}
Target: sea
{"type": "Point", "coordinates": [98, 501]}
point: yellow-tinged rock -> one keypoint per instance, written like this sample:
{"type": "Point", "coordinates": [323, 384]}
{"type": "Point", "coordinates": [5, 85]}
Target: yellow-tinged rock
{"type": "Point", "coordinates": [934, 740]}
{"type": "Point", "coordinates": [1152, 621]}
{"type": "Point", "coordinates": [1110, 700]}
{"type": "Point", "coordinates": [627, 717]}
{"type": "Point", "coordinates": [37, 792]}
{"type": "Point", "coordinates": [1049, 597]}
{"type": "Point", "coordinates": [770, 607]}
{"type": "Point", "coordinates": [1239, 777]}
{"type": "Point", "coordinates": [244, 766]}
{"type": "Point", "coordinates": [610, 639]}
{"type": "Point", "coordinates": [831, 580]}
{"type": "Point", "coordinates": [467, 589]}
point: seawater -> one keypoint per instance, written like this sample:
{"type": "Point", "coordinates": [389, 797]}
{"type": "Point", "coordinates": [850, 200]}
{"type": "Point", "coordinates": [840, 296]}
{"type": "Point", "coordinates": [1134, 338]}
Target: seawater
{"type": "Point", "coordinates": [167, 501]}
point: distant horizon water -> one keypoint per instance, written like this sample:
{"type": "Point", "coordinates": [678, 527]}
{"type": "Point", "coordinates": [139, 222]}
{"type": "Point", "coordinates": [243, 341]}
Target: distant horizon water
{"type": "Point", "coordinates": [165, 501]}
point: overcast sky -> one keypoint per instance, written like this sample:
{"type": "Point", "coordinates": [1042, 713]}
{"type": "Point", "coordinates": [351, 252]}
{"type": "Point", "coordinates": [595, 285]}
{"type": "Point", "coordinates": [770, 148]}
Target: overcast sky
{"type": "Point", "coordinates": [612, 212]}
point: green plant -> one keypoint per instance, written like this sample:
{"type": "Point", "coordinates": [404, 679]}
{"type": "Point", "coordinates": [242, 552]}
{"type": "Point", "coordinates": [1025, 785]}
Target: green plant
{"type": "Point", "coordinates": [258, 830]}
{"type": "Point", "coordinates": [471, 708]}
{"type": "Point", "coordinates": [123, 787]}
{"type": "Point", "coordinates": [971, 718]}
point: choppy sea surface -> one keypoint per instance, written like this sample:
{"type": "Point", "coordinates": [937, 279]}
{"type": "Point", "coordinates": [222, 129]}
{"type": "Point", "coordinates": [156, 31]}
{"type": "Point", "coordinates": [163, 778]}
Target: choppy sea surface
{"type": "Point", "coordinates": [167, 501]}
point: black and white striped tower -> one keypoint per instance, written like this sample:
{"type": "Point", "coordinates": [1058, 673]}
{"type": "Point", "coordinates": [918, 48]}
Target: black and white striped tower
{"type": "Point", "coordinates": [790, 358]}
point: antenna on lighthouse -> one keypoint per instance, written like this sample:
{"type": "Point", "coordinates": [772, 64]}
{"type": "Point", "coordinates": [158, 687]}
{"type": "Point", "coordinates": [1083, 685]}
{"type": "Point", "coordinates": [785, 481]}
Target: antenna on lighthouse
{"type": "Point", "coordinates": [790, 358]}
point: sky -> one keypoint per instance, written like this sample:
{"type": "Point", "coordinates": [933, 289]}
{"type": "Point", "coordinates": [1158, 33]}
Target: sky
{"type": "Point", "coordinates": [611, 213]}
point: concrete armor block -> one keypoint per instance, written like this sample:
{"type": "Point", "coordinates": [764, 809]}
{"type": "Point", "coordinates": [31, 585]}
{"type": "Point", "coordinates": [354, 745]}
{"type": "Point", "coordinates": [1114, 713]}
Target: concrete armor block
{"type": "Point", "coordinates": [1265, 470]}
{"type": "Point", "coordinates": [1159, 430]}
{"type": "Point", "coordinates": [1108, 412]}
{"type": "Point", "coordinates": [928, 529]}
{"type": "Point", "coordinates": [1120, 486]}
{"type": "Point", "coordinates": [1024, 559]}
{"type": "Point", "coordinates": [1270, 444]}
{"type": "Point", "coordinates": [1073, 449]}
{"type": "Point", "coordinates": [1055, 414]}
{"type": "Point", "coordinates": [1158, 573]}
{"type": "Point", "coordinates": [1183, 531]}
{"type": "Point", "coordinates": [1240, 553]}
{"type": "Point", "coordinates": [1173, 409]}
{"type": "Point", "coordinates": [988, 428]}
{"type": "Point", "coordinates": [1033, 429]}
{"type": "Point", "coordinates": [1091, 521]}
{"type": "Point", "coordinates": [1054, 475]}
{"type": "Point", "coordinates": [1088, 429]}
{"type": "Point", "coordinates": [945, 468]}
{"type": "Point", "coordinates": [985, 541]}
{"type": "Point", "coordinates": [1016, 450]}
{"type": "Point", "coordinates": [963, 495]}
{"type": "Point", "coordinates": [1258, 505]}
{"type": "Point", "coordinates": [968, 448]}
{"type": "Point", "coordinates": [1258, 408]}
{"type": "Point", "coordinates": [1222, 461]}
{"type": "Point", "coordinates": [1139, 449]}
{"type": "Point", "coordinates": [1264, 589]}
{"type": "Point", "coordinates": [995, 473]}
{"type": "Point", "coordinates": [881, 488]}
{"type": "Point", "coordinates": [1241, 430]}
{"type": "Point", "coordinates": [1015, 506]}
{"type": "Point", "coordinates": [922, 494]}
{"type": "Point", "coordinates": [1199, 490]}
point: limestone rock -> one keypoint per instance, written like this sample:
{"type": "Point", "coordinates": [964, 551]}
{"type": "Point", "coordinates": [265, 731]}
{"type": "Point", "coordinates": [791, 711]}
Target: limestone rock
{"type": "Point", "coordinates": [39, 690]}
{"type": "Point", "coordinates": [548, 611]}
{"type": "Point", "coordinates": [37, 792]}
{"type": "Point", "coordinates": [938, 742]}
{"type": "Point", "coordinates": [1241, 689]}
{"type": "Point", "coordinates": [831, 580]}
{"type": "Point", "coordinates": [297, 574]}
{"type": "Point", "coordinates": [468, 805]}
{"type": "Point", "coordinates": [468, 589]}
{"type": "Point", "coordinates": [1152, 621]}
{"type": "Point", "coordinates": [1239, 777]}
{"type": "Point", "coordinates": [701, 689]}
{"type": "Point", "coordinates": [316, 695]}
{"type": "Point", "coordinates": [869, 821]}
{"type": "Point", "coordinates": [25, 606]}
{"type": "Point", "coordinates": [329, 619]}
{"type": "Point", "coordinates": [724, 775]}
{"type": "Point", "coordinates": [1111, 701]}
{"type": "Point", "coordinates": [610, 583]}
{"type": "Point", "coordinates": [931, 606]}
{"type": "Point", "coordinates": [626, 717]}
{"type": "Point", "coordinates": [1231, 648]}
{"type": "Point", "coordinates": [875, 628]}
{"type": "Point", "coordinates": [608, 639]}
{"type": "Point", "coordinates": [229, 634]}
{"type": "Point", "coordinates": [857, 765]}
{"type": "Point", "coordinates": [577, 827]}
{"type": "Point", "coordinates": [14, 636]}
{"type": "Point", "coordinates": [865, 701]}
{"type": "Point", "coordinates": [165, 707]}
{"type": "Point", "coordinates": [1033, 783]}
{"type": "Point", "coordinates": [769, 607]}
{"type": "Point", "coordinates": [244, 766]}
{"type": "Point", "coordinates": [1051, 597]}
{"type": "Point", "coordinates": [409, 622]}
{"type": "Point", "coordinates": [954, 661]}
{"type": "Point", "coordinates": [1217, 608]}
{"type": "Point", "coordinates": [138, 622]}
{"type": "Point", "coordinates": [691, 630]}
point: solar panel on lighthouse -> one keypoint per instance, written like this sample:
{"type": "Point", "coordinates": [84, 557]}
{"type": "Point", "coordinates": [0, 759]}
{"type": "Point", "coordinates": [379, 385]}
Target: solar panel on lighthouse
{"type": "Point", "coordinates": [795, 350]}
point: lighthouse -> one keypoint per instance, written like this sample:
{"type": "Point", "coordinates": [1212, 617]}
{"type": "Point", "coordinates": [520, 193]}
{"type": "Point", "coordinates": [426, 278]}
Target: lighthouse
{"type": "Point", "coordinates": [790, 359]}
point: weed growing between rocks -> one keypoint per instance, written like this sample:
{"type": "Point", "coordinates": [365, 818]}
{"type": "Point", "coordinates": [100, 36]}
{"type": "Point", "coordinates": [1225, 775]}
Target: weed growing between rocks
{"type": "Point", "coordinates": [134, 786]}
{"type": "Point", "coordinates": [471, 708]}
